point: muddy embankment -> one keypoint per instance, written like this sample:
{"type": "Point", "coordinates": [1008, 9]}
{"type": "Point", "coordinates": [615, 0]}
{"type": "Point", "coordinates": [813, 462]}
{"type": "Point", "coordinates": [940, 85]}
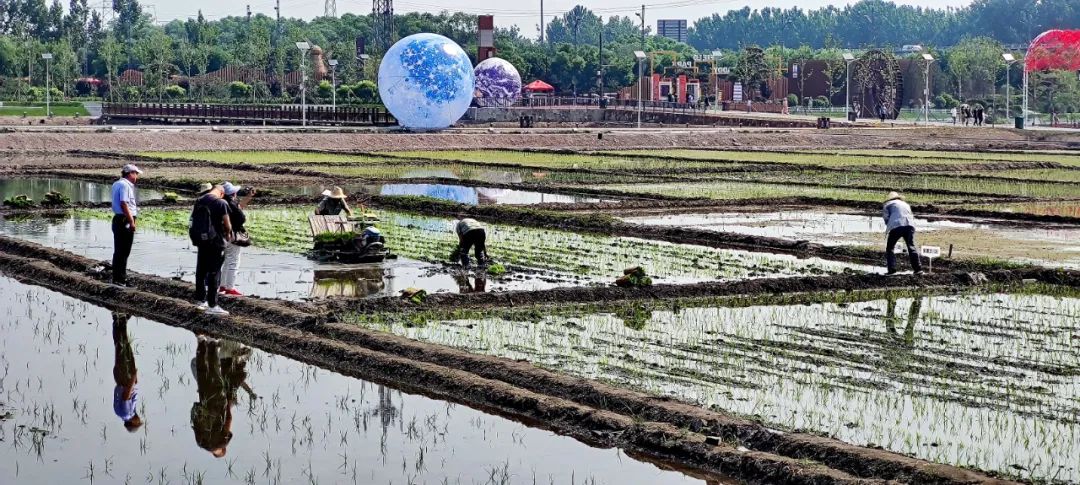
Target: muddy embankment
{"type": "Point", "coordinates": [591, 411]}
{"type": "Point", "coordinates": [171, 139]}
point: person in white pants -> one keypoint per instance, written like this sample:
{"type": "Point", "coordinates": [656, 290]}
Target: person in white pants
{"type": "Point", "coordinates": [237, 204]}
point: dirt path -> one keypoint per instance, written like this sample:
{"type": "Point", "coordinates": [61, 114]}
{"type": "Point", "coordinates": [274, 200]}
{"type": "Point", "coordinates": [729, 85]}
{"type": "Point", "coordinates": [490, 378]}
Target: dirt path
{"type": "Point", "coordinates": [177, 139]}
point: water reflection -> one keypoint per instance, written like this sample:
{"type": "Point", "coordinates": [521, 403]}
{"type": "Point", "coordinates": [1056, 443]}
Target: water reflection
{"type": "Point", "coordinates": [471, 283]}
{"type": "Point", "coordinates": [125, 374]}
{"type": "Point", "coordinates": [219, 369]}
{"type": "Point", "coordinates": [912, 318]}
{"type": "Point", "coordinates": [351, 282]}
{"type": "Point", "coordinates": [77, 190]}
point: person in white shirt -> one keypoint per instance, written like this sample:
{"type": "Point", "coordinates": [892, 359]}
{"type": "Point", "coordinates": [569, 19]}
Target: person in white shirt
{"type": "Point", "coordinates": [899, 223]}
{"type": "Point", "coordinates": [125, 212]}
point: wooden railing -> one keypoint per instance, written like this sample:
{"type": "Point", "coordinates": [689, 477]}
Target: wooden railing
{"type": "Point", "coordinates": [276, 114]}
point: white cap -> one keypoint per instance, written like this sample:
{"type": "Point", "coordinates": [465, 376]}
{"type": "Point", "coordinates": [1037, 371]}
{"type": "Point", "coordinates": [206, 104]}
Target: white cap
{"type": "Point", "coordinates": [230, 189]}
{"type": "Point", "coordinates": [129, 168]}
{"type": "Point", "coordinates": [326, 193]}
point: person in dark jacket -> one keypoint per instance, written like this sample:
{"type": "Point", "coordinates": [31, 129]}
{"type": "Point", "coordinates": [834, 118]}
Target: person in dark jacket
{"type": "Point", "coordinates": [210, 231]}
{"type": "Point", "coordinates": [334, 204]}
{"type": "Point", "coordinates": [899, 224]}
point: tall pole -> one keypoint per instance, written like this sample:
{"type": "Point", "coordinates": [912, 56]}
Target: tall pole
{"type": "Point", "coordinates": [600, 73]}
{"type": "Point", "coordinates": [48, 93]}
{"type": "Point", "coordinates": [1008, 66]}
{"type": "Point", "coordinates": [1025, 105]}
{"type": "Point", "coordinates": [541, 21]}
{"type": "Point", "coordinates": [641, 89]}
{"type": "Point", "coordinates": [303, 88]}
{"type": "Point", "coordinates": [642, 27]}
{"type": "Point", "coordinates": [847, 90]}
{"type": "Point", "coordinates": [333, 77]}
{"type": "Point", "coordinates": [926, 94]}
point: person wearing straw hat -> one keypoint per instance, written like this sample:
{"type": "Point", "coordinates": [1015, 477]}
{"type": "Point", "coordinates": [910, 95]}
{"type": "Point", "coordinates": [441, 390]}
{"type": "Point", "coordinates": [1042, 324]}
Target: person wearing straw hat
{"type": "Point", "coordinates": [334, 203]}
{"type": "Point", "coordinates": [899, 223]}
{"type": "Point", "coordinates": [125, 212]}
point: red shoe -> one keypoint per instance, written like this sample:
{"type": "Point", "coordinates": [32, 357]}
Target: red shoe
{"type": "Point", "coordinates": [233, 292]}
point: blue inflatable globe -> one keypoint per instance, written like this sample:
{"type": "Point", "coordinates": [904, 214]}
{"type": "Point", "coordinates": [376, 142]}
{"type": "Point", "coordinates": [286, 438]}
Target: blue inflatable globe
{"type": "Point", "coordinates": [426, 81]}
{"type": "Point", "coordinates": [497, 82]}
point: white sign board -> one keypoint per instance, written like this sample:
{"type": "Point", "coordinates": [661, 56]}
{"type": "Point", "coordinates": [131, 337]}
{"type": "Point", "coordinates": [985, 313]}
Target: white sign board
{"type": "Point", "coordinates": [737, 95]}
{"type": "Point", "coordinates": [930, 251]}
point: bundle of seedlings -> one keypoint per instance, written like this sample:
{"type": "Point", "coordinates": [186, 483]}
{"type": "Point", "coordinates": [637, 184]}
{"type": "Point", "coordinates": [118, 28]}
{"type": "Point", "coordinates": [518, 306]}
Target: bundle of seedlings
{"type": "Point", "coordinates": [20, 201]}
{"type": "Point", "coordinates": [634, 278]}
{"type": "Point", "coordinates": [55, 199]}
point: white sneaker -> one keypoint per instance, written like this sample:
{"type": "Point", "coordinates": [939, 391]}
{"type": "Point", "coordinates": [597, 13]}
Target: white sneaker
{"type": "Point", "coordinates": [216, 310]}
{"type": "Point", "coordinates": [203, 306]}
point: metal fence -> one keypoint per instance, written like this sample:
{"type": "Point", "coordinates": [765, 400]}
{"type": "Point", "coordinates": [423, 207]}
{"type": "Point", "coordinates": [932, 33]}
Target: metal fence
{"type": "Point", "coordinates": [240, 113]}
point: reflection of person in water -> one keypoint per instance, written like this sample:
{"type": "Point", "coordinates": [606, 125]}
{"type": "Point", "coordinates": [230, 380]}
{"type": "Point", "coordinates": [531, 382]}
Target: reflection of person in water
{"type": "Point", "coordinates": [126, 392]}
{"type": "Point", "coordinates": [912, 318]}
{"type": "Point", "coordinates": [219, 368]}
{"type": "Point", "coordinates": [467, 286]}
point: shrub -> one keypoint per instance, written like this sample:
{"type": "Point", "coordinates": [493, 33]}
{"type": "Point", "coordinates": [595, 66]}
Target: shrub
{"type": "Point", "coordinates": [324, 89]}
{"type": "Point", "coordinates": [792, 100]}
{"type": "Point", "coordinates": [366, 91]}
{"type": "Point", "coordinates": [175, 92]}
{"type": "Point", "coordinates": [170, 197]}
{"type": "Point", "coordinates": [822, 102]}
{"type": "Point", "coordinates": [239, 90]}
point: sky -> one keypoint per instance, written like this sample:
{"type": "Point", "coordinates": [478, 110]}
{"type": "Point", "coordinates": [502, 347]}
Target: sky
{"type": "Point", "coordinates": [524, 14]}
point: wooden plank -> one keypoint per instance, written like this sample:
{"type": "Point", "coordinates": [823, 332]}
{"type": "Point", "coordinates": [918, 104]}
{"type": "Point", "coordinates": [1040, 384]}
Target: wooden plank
{"type": "Point", "coordinates": [320, 224]}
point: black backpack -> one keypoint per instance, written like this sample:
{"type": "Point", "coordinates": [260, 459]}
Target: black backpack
{"type": "Point", "coordinates": [202, 228]}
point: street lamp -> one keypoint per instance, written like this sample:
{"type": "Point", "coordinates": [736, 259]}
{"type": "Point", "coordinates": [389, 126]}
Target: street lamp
{"type": "Point", "coordinates": [926, 92]}
{"type": "Point", "coordinates": [304, 48]}
{"type": "Point", "coordinates": [640, 55]}
{"type": "Point", "coordinates": [848, 59]}
{"type": "Point", "coordinates": [363, 65]}
{"type": "Point", "coordinates": [333, 74]}
{"type": "Point", "coordinates": [48, 94]}
{"type": "Point", "coordinates": [1009, 60]}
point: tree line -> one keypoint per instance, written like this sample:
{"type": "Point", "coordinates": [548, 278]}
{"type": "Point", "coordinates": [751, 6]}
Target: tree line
{"type": "Point", "coordinates": [86, 43]}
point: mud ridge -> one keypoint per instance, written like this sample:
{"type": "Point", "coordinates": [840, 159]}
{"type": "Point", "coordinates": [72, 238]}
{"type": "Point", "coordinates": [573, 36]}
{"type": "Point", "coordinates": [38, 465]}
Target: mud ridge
{"type": "Point", "coordinates": [588, 424]}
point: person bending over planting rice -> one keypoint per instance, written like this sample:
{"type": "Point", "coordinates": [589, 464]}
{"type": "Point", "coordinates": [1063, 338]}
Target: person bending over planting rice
{"type": "Point", "coordinates": [470, 233]}
{"type": "Point", "coordinates": [899, 223]}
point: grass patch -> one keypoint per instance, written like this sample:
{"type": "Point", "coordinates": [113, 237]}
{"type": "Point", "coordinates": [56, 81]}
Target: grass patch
{"type": "Point", "coordinates": [265, 157]}
{"type": "Point", "coordinates": [38, 109]}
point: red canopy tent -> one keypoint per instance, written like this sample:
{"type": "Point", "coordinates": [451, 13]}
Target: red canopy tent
{"type": "Point", "coordinates": [539, 86]}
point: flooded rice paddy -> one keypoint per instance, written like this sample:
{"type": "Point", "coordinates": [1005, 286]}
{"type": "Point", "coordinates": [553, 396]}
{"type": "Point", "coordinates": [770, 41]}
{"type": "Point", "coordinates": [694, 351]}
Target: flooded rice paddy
{"type": "Point", "coordinates": [76, 190]}
{"type": "Point", "coordinates": [1050, 245]}
{"type": "Point", "coordinates": [92, 396]}
{"type": "Point", "coordinates": [264, 271]}
{"type": "Point", "coordinates": [454, 193]}
{"type": "Point", "coordinates": [983, 380]}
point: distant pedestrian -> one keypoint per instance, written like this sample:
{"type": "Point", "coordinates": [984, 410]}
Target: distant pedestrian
{"type": "Point", "coordinates": [238, 199]}
{"type": "Point", "coordinates": [125, 212]}
{"type": "Point", "coordinates": [334, 204]}
{"type": "Point", "coordinates": [965, 111]}
{"type": "Point", "coordinates": [210, 230]}
{"type": "Point", "coordinates": [979, 115]}
{"type": "Point", "coordinates": [881, 112]}
{"type": "Point", "coordinates": [899, 224]}
{"type": "Point", "coordinates": [954, 114]}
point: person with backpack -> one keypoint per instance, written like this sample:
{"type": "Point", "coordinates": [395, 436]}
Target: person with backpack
{"type": "Point", "coordinates": [238, 199]}
{"type": "Point", "coordinates": [210, 230]}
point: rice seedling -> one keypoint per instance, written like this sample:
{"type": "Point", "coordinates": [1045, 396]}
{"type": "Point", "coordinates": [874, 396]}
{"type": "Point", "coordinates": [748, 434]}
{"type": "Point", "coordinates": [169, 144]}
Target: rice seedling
{"type": "Point", "coordinates": [945, 377]}
{"type": "Point", "coordinates": [725, 190]}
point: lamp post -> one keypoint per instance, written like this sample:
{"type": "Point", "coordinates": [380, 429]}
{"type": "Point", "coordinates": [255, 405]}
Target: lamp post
{"type": "Point", "coordinates": [1009, 60]}
{"type": "Point", "coordinates": [304, 47]}
{"type": "Point", "coordinates": [640, 55]}
{"type": "Point", "coordinates": [333, 82]}
{"type": "Point", "coordinates": [926, 91]}
{"type": "Point", "coordinates": [48, 90]}
{"type": "Point", "coordinates": [848, 58]}
{"type": "Point", "coordinates": [363, 65]}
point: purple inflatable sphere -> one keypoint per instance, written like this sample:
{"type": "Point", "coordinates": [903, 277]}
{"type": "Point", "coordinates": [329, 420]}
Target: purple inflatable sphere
{"type": "Point", "coordinates": [497, 82]}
